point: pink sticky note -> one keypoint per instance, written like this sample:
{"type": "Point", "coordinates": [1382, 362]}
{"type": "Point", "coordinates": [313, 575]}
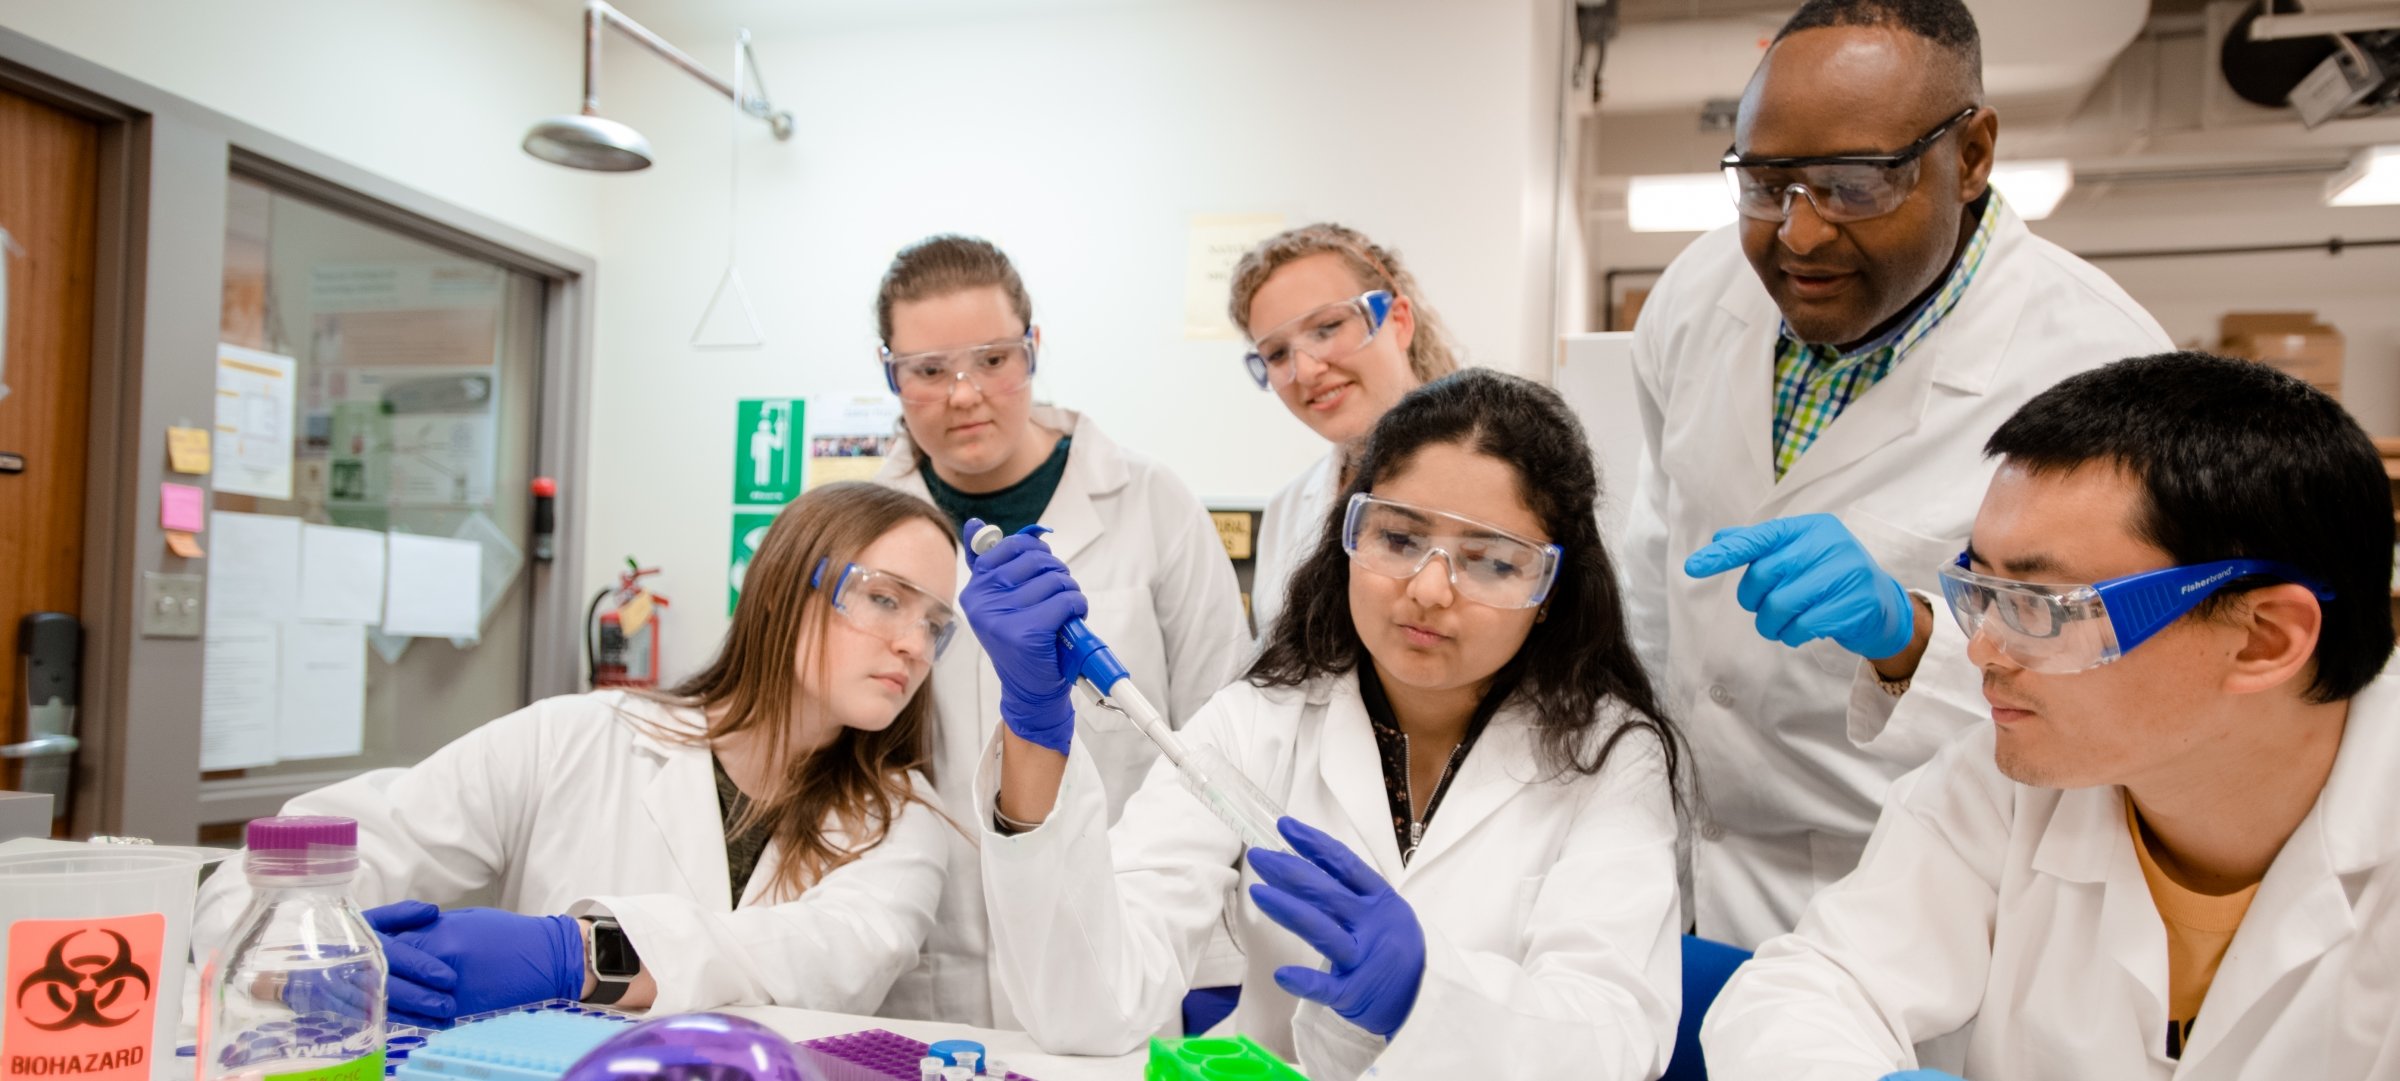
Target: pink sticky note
{"type": "Point", "coordinates": [181, 508]}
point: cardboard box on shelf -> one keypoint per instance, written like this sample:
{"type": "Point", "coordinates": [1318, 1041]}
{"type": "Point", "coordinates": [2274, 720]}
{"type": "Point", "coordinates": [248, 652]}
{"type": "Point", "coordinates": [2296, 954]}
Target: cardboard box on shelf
{"type": "Point", "coordinates": [2294, 342]}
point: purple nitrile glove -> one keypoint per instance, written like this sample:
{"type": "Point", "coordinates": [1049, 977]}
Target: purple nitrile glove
{"type": "Point", "coordinates": [495, 959]}
{"type": "Point", "coordinates": [1809, 578]}
{"type": "Point", "coordinates": [1336, 903]}
{"type": "Point", "coordinates": [1017, 600]}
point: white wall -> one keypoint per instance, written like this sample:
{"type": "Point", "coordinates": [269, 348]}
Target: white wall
{"type": "Point", "coordinates": [1082, 141]}
{"type": "Point", "coordinates": [433, 94]}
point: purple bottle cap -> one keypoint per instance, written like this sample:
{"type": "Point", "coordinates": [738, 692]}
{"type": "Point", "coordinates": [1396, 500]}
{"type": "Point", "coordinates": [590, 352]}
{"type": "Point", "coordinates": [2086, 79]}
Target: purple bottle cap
{"type": "Point", "coordinates": [302, 845]}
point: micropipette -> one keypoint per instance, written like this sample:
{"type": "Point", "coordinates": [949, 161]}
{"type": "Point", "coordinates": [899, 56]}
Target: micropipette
{"type": "Point", "coordinates": [1220, 785]}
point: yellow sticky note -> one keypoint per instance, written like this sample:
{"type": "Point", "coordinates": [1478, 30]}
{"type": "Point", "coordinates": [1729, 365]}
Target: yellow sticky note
{"type": "Point", "coordinates": [184, 544]}
{"type": "Point", "coordinates": [187, 450]}
{"type": "Point", "coordinates": [633, 614]}
{"type": "Point", "coordinates": [1233, 528]}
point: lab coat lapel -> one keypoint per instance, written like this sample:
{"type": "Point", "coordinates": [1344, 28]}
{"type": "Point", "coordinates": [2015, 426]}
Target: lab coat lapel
{"type": "Point", "coordinates": [2088, 843]}
{"type": "Point", "coordinates": [1960, 355]}
{"type": "Point", "coordinates": [1095, 468]}
{"type": "Point", "coordinates": [1352, 769]}
{"type": "Point", "coordinates": [1748, 334]}
{"type": "Point", "coordinates": [1484, 782]}
{"type": "Point", "coordinates": [682, 803]}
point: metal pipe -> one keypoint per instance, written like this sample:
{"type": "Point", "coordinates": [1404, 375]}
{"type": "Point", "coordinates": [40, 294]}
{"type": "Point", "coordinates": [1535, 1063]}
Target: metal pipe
{"type": "Point", "coordinates": [591, 58]}
{"type": "Point", "coordinates": [656, 44]}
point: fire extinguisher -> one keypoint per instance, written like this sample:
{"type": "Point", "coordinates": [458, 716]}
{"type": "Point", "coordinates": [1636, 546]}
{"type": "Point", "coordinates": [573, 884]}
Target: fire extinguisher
{"type": "Point", "coordinates": [621, 644]}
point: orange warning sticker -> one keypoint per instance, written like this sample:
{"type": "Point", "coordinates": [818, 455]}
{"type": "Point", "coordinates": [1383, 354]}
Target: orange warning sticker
{"type": "Point", "coordinates": [82, 995]}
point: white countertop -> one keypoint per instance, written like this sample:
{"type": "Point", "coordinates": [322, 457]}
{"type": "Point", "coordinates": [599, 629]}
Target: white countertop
{"type": "Point", "coordinates": [1014, 1049]}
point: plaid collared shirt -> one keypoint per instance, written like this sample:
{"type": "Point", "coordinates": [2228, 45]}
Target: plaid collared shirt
{"type": "Point", "coordinates": [1814, 383]}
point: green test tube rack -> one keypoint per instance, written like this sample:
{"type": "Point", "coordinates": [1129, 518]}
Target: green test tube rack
{"type": "Point", "coordinates": [1237, 1059]}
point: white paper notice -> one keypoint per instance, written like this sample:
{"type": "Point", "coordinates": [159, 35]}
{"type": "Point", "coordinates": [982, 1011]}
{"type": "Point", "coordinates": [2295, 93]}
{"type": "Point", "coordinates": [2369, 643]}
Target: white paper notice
{"type": "Point", "coordinates": [238, 693]}
{"type": "Point", "coordinates": [430, 586]}
{"type": "Point", "coordinates": [1218, 241]}
{"type": "Point", "coordinates": [501, 562]}
{"type": "Point", "coordinates": [253, 568]}
{"type": "Point", "coordinates": [341, 574]}
{"type": "Point", "coordinates": [324, 705]}
{"type": "Point", "coordinates": [256, 416]}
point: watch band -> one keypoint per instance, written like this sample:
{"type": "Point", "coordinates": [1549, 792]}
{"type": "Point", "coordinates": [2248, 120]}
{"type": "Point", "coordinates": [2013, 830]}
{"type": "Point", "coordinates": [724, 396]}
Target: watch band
{"type": "Point", "coordinates": [609, 959]}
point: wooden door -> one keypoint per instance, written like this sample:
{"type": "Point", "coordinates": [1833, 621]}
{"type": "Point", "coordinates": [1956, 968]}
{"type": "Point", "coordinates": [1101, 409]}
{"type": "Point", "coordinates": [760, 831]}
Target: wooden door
{"type": "Point", "coordinates": [49, 168]}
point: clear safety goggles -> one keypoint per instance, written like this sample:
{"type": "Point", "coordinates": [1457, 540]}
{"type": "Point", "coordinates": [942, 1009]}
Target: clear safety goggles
{"type": "Point", "coordinates": [994, 367]}
{"type": "Point", "coordinates": [1841, 187]}
{"type": "Point", "coordinates": [888, 606]}
{"type": "Point", "coordinates": [2064, 629]}
{"type": "Point", "coordinates": [1328, 333]}
{"type": "Point", "coordinates": [1488, 565]}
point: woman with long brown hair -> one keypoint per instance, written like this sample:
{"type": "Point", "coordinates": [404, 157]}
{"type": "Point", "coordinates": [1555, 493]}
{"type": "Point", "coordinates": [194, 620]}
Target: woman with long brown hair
{"type": "Point", "coordinates": [762, 833]}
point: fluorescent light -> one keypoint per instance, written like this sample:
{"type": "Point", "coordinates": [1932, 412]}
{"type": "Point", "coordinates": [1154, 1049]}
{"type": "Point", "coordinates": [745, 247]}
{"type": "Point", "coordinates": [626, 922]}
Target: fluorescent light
{"type": "Point", "coordinates": [2373, 179]}
{"type": "Point", "coordinates": [1682, 203]}
{"type": "Point", "coordinates": [2033, 187]}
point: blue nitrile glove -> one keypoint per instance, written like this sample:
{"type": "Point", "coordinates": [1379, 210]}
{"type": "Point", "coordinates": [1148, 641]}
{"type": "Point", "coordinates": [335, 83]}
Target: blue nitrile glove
{"type": "Point", "coordinates": [497, 959]}
{"type": "Point", "coordinates": [1019, 597]}
{"type": "Point", "coordinates": [1340, 906]}
{"type": "Point", "coordinates": [1809, 579]}
{"type": "Point", "coordinates": [421, 987]}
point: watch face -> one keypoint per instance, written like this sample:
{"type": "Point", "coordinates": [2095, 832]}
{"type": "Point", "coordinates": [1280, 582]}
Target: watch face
{"type": "Point", "coordinates": [612, 953]}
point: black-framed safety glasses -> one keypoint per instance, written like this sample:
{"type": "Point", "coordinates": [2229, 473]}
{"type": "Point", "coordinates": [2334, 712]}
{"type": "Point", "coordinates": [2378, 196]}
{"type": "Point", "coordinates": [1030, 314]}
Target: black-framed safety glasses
{"type": "Point", "coordinates": [1841, 187]}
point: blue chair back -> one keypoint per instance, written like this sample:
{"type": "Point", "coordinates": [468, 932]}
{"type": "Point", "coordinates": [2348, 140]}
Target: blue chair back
{"type": "Point", "coordinates": [1706, 967]}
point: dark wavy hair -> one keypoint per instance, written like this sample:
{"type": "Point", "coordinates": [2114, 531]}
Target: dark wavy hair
{"type": "Point", "coordinates": [1578, 656]}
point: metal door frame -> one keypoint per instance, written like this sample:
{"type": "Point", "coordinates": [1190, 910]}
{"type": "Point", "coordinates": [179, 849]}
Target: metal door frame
{"type": "Point", "coordinates": [165, 164]}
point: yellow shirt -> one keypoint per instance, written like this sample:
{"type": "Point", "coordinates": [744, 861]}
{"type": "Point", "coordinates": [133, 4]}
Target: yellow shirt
{"type": "Point", "coordinates": [2199, 927]}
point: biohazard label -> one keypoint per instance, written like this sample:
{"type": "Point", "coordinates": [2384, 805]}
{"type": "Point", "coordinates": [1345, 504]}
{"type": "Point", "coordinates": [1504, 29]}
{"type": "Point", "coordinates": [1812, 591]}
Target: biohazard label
{"type": "Point", "coordinates": [82, 995]}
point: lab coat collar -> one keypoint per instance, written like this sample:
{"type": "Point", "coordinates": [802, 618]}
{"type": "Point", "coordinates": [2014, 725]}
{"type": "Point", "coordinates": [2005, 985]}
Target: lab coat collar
{"type": "Point", "coordinates": [1095, 467]}
{"type": "Point", "coordinates": [1961, 354]}
{"type": "Point", "coordinates": [2302, 908]}
{"type": "Point", "coordinates": [681, 799]}
{"type": "Point", "coordinates": [1495, 769]}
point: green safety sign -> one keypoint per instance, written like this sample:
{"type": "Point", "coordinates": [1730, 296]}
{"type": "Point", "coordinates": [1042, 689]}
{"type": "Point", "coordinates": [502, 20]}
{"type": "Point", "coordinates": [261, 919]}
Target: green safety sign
{"type": "Point", "coordinates": [766, 451]}
{"type": "Point", "coordinates": [749, 531]}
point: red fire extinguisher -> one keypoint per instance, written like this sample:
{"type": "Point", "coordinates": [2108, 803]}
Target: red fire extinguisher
{"type": "Point", "coordinates": [621, 644]}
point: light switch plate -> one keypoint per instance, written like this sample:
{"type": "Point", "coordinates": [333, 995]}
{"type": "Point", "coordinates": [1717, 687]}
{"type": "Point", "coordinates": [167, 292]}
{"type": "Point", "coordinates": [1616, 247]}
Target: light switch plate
{"type": "Point", "coordinates": [170, 605]}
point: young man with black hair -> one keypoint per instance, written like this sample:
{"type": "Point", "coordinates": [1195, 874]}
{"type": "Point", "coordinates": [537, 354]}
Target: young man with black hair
{"type": "Point", "coordinates": [2174, 849]}
{"type": "Point", "coordinates": [1829, 367]}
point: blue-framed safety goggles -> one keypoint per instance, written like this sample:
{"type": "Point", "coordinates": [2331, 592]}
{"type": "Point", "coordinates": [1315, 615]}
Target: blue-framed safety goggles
{"type": "Point", "coordinates": [1328, 333]}
{"type": "Point", "coordinates": [2063, 629]}
{"type": "Point", "coordinates": [888, 606]}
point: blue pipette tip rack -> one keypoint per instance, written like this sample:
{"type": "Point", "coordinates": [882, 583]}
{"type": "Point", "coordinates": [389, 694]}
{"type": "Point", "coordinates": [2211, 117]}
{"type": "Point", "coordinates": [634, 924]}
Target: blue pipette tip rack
{"type": "Point", "coordinates": [400, 1042]}
{"type": "Point", "coordinates": [519, 1046]}
{"type": "Point", "coordinates": [874, 1055]}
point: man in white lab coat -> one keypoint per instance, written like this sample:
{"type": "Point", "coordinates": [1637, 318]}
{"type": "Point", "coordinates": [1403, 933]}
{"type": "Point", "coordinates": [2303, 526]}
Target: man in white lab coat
{"type": "Point", "coordinates": [2174, 849]}
{"type": "Point", "coordinates": [1830, 366]}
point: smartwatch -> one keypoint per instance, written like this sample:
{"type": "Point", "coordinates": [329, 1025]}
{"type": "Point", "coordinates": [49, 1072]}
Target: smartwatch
{"type": "Point", "coordinates": [609, 958]}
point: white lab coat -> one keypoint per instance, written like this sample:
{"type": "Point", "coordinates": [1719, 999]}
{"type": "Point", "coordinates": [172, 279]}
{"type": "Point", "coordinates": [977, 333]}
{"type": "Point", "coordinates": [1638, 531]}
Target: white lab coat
{"type": "Point", "coordinates": [1787, 799]}
{"type": "Point", "coordinates": [1548, 904]}
{"type": "Point", "coordinates": [2024, 911]}
{"type": "Point", "coordinates": [570, 806]}
{"type": "Point", "coordinates": [1287, 535]}
{"type": "Point", "coordinates": [1162, 596]}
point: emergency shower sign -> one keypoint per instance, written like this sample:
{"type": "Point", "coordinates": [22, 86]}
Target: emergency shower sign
{"type": "Point", "coordinates": [766, 451]}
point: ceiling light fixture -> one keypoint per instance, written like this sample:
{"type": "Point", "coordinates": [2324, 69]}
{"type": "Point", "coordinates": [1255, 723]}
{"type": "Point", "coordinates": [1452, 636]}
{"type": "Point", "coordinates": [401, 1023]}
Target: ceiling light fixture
{"type": "Point", "coordinates": [1678, 203]}
{"type": "Point", "coordinates": [2033, 188]}
{"type": "Point", "coordinates": [2373, 179]}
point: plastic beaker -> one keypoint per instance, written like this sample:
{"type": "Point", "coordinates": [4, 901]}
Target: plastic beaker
{"type": "Point", "coordinates": [94, 950]}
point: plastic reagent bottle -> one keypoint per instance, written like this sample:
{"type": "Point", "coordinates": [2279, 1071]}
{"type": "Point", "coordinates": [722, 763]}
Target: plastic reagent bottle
{"type": "Point", "coordinates": [298, 993]}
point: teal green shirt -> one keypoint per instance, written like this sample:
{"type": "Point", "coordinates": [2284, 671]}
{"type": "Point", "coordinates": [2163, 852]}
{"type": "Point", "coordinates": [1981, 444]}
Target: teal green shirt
{"type": "Point", "coordinates": [1011, 508]}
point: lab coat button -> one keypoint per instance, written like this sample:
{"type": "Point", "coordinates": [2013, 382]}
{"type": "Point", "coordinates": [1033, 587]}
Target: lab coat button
{"type": "Point", "coordinates": [1710, 831]}
{"type": "Point", "coordinates": [1718, 694]}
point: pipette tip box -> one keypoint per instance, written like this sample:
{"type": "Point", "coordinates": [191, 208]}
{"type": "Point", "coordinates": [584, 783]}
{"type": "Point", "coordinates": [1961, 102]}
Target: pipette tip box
{"type": "Point", "coordinates": [521, 1046]}
{"type": "Point", "coordinates": [874, 1055]}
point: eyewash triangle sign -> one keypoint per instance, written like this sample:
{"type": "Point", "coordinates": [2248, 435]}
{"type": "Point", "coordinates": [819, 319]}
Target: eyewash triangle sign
{"type": "Point", "coordinates": [766, 451]}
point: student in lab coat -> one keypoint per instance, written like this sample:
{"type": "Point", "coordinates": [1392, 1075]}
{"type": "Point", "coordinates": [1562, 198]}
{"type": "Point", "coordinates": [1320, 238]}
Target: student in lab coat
{"type": "Point", "coordinates": [2172, 848]}
{"type": "Point", "coordinates": [761, 834]}
{"type": "Point", "coordinates": [960, 349]}
{"type": "Point", "coordinates": [1452, 709]}
{"type": "Point", "coordinates": [1339, 330]}
{"type": "Point", "coordinates": [1833, 362]}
